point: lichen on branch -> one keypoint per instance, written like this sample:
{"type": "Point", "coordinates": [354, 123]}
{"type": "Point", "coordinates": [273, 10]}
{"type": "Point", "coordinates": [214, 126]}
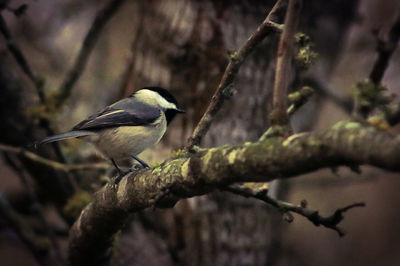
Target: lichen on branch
{"type": "Point", "coordinates": [208, 169]}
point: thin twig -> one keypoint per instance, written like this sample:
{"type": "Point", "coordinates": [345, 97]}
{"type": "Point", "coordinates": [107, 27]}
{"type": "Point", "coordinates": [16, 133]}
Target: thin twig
{"type": "Point", "coordinates": [37, 82]}
{"type": "Point", "coordinates": [369, 93]}
{"type": "Point", "coordinates": [102, 17]}
{"type": "Point", "coordinates": [279, 114]}
{"type": "Point", "coordinates": [50, 163]}
{"type": "Point", "coordinates": [20, 58]}
{"type": "Point", "coordinates": [223, 90]}
{"type": "Point", "coordinates": [298, 98]}
{"type": "Point", "coordinates": [385, 50]}
{"type": "Point", "coordinates": [330, 221]}
{"type": "Point", "coordinates": [127, 79]}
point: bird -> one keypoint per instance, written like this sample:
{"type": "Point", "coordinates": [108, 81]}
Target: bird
{"type": "Point", "coordinates": [128, 127]}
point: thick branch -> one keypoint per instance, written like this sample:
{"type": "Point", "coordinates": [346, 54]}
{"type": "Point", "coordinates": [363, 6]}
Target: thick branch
{"type": "Point", "coordinates": [279, 114]}
{"type": "Point", "coordinates": [102, 17]}
{"type": "Point", "coordinates": [224, 88]}
{"type": "Point", "coordinates": [262, 161]}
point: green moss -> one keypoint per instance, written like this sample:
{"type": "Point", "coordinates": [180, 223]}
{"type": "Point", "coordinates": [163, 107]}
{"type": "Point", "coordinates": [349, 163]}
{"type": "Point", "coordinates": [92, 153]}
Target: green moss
{"type": "Point", "coordinates": [314, 142]}
{"type": "Point", "coordinates": [294, 97]}
{"type": "Point", "coordinates": [300, 95]}
{"type": "Point", "coordinates": [76, 203]}
{"type": "Point", "coordinates": [178, 153]}
{"type": "Point", "coordinates": [233, 55]}
{"type": "Point", "coordinates": [155, 164]}
{"type": "Point", "coordinates": [232, 157]}
{"type": "Point", "coordinates": [196, 149]}
{"type": "Point", "coordinates": [185, 169]}
{"type": "Point", "coordinates": [208, 156]}
{"type": "Point", "coordinates": [352, 125]}
{"type": "Point", "coordinates": [346, 125]}
{"type": "Point", "coordinates": [166, 169]}
{"type": "Point", "coordinates": [305, 56]}
{"type": "Point", "coordinates": [156, 170]}
{"type": "Point", "coordinates": [290, 139]}
{"type": "Point", "coordinates": [275, 131]}
{"type": "Point", "coordinates": [369, 95]}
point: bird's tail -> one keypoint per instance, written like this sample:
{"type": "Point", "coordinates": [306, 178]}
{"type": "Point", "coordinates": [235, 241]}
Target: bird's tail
{"type": "Point", "coordinates": [62, 136]}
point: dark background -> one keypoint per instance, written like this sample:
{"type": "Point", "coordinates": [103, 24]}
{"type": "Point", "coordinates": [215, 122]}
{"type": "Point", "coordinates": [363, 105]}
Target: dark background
{"type": "Point", "coordinates": [182, 45]}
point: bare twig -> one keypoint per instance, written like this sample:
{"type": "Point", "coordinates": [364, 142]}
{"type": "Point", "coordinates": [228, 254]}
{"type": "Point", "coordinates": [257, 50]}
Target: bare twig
{"type": "Point", "coordinates": [279, 114]}
{"type": "Point", "coordinates": [223, 90]}
{"type": "Point", "coordinates": [50, 163]}
{"type": "Point", "coordinates": [330, 221]}
{"type": "Point", "coordinates": [37, 82]}
{"type": "Point", "coordinates": [385, 50]}
{"type": "Point", "coordinates": [298, 98]}
{"type": "Point", "coordinates": [21, 60]}
{"type": "Point", "coordinates": [102, 17]}
{"type": "Point", "coordinates": [127, 78]}
{"type": "Point", "coordinates": [369, 94]}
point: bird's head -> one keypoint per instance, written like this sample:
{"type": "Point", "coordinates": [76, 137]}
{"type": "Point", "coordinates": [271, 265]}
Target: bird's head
{"type": "Point", "coordinates": [160, 98]}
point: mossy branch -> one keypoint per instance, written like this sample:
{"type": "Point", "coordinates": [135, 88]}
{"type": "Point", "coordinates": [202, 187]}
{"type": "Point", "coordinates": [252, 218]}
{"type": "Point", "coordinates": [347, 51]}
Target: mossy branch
{"type": "Point", "coordinates": [208, 169]}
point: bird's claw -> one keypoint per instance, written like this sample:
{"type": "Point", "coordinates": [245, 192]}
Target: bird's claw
{"type": "Point", "coordinates": [137, 167]}
{"type": "Point", "coordinates": [115, 181]}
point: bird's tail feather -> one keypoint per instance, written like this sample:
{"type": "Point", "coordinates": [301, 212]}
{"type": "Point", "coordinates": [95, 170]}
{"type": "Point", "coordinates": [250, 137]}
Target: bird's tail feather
{"type": "Point", "coordinates": [66, 135]}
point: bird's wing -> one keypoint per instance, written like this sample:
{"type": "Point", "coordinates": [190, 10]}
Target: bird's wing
{"type": "Point", "coordinates": [123, 113]}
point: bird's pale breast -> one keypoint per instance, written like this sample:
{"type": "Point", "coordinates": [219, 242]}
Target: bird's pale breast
{"type": "Point", "coordinates": [123, 142]}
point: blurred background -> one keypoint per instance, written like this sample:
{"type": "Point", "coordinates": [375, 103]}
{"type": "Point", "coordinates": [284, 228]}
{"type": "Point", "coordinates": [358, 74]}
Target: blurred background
{"type": "Point", "coordinates": [182, 45]}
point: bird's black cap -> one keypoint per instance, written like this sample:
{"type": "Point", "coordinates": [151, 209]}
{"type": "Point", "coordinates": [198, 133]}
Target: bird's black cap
{"type": "Point", "coordinates": [164, 93]}
{"type": "Point", "coordinates": [170, 113]}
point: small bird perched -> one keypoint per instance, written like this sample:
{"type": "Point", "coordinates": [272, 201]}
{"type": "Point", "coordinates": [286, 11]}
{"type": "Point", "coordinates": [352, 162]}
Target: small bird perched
{"type": "Point", "coordinates": [128, 127]}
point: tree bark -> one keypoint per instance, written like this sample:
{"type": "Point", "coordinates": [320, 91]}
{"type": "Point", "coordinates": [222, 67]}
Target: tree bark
{"type": "Point", "coordinates": [208, 169]}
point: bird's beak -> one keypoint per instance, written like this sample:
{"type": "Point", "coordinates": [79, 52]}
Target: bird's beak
{"type": "Point", "coordinates": [180, 111]}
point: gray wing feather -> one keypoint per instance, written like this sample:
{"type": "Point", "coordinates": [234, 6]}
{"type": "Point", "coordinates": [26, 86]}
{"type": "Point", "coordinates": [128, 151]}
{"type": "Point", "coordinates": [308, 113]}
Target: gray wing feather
{"type": "Point", "coordinates": [127, 112]}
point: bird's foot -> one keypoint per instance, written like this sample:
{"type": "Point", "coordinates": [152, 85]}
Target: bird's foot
{"type": "Point", "coordinates": [143, 164]}
{"type": "Point", "coordinates": [121, 173]}
{"type": "Point", "coordinates": [137, 166]}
